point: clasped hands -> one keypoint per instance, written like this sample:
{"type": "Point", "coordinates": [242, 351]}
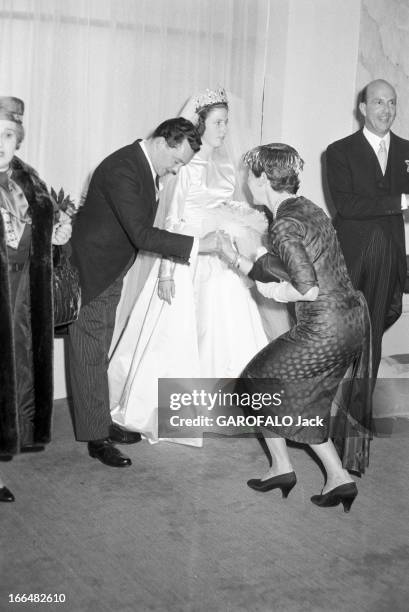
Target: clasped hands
{"type": "Point", "coordinates": [217, 243]}
{"type": "Point", "coordinates": [241, 254]}
{"type": "Point", "coordinates": [220, 243]}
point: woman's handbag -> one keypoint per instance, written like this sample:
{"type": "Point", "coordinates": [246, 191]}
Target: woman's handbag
{"type": "Point", "coordinates": [66, 287]}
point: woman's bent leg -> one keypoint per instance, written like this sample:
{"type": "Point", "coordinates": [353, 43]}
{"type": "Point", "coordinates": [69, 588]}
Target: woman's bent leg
{"type": "Point", "coordinates": [336, 475]}
{"type": "Point", "coordinates": [281, 463]}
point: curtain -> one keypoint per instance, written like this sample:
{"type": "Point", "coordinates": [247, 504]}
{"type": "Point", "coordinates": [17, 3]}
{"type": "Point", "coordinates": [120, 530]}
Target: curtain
{"type": "Point", "coordinates": [97, 74]}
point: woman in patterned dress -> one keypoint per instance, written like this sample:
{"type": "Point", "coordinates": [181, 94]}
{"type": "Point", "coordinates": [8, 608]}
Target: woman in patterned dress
{"type": "Point", "coordinates": [328, 343]}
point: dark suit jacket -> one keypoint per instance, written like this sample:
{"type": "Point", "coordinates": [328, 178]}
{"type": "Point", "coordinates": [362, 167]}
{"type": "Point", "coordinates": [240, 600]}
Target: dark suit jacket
{"type": "Point", "coordinates": [365, 200]}
{"type": "Point", "coordinates": [116, 220]}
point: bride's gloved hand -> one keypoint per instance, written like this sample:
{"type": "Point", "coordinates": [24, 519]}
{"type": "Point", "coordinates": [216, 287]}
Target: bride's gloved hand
{"type": "Point", "coordinates": [166, 289]}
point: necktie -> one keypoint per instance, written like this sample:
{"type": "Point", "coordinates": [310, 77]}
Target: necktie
{"type": "Point", "coordinates": [382, 156]}
{"type": "Point", "coordinates": [157, 187]}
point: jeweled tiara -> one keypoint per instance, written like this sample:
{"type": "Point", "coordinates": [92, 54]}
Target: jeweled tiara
{"type": "Point", "coordinates": [210, 96]}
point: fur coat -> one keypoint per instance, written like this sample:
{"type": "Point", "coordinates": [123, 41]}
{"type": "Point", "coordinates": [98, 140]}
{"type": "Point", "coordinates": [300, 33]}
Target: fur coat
{"type": "Point", "coordinates": [42, 214]}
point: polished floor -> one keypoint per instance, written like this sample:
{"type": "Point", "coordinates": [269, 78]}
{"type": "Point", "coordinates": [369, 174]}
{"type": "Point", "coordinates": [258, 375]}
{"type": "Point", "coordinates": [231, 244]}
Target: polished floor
{"type": "Point", "coordinates": [180, 531]}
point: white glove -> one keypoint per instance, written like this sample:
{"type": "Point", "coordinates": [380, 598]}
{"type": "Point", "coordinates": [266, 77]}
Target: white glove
{"type": "Point", "coordinates": [285, 292]}
{"type": "Point", "coordinates": [276, 291]}
{"type": "Point", "coordinates": [261, 251]}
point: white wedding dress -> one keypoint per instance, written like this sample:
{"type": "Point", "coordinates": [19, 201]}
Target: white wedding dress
{"type": "Point", "coordinates": [211, 329]}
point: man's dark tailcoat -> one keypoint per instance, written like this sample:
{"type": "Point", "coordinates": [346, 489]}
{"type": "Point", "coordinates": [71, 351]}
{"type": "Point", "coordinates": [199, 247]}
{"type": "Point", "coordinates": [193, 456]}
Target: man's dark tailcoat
{"type": "Point", "coordinates": [114, 223]}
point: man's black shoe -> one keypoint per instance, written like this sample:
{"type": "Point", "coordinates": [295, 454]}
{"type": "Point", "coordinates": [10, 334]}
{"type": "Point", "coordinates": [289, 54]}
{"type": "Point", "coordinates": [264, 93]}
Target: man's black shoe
{"type": "Point", "coordinates": [121, 436]}
{"type": "Point", "coordinates": [107, 453]}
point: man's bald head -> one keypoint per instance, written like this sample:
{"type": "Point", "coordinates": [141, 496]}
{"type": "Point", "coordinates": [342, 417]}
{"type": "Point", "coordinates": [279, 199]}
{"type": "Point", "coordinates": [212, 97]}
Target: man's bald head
{"type": "Point", "coordinates": [378, 106]}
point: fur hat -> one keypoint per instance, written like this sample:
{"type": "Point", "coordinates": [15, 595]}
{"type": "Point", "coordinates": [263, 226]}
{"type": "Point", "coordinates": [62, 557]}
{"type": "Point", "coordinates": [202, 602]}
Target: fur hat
{"type": "Point", "coordinates": [11, 109]}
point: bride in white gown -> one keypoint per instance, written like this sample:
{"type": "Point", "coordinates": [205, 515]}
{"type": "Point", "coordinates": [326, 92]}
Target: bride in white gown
{"type": "Point", "coordinates": [179, 321]}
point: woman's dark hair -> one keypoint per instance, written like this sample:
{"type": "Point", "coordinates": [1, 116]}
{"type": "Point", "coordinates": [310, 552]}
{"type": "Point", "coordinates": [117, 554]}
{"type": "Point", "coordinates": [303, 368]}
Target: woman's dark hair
{"type": "Point", "coordinates": [174, 131]}
{"type": "Point", "coordinates": [281, 163]}
{"type": "Point", "coordinates": [203, 113]}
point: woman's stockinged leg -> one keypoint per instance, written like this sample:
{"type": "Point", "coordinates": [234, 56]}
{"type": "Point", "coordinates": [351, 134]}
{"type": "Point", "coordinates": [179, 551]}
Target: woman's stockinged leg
{"type": "Point", "coordinates": [336, 474]}
{"type": "Point", "coordinates": [281, 474]}
{"type": "Point", "coordinates": [281, 462]}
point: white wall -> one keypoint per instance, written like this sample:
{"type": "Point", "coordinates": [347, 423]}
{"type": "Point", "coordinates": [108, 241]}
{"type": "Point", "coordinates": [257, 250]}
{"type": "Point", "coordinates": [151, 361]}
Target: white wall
{"type": "Point", "coordinates": [311, 74]}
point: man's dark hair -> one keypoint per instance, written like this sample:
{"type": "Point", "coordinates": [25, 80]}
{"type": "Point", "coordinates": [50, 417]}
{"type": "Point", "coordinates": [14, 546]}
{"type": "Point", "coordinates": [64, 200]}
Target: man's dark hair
{"type": "Point", "coordinates": [174, 131]}
{"type": "Point", "coordinates": [362, 96]}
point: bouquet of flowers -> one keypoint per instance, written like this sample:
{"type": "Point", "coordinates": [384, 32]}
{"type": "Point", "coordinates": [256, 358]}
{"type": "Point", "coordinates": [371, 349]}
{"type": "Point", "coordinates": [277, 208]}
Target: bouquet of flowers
{"type": "Point", "coordinates": [62, 204]}
{"type": "Point", "coordinates": [66, 284]}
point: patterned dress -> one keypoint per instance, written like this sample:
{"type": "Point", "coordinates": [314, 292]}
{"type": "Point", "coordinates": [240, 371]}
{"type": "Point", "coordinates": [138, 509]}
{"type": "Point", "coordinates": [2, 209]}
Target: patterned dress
{"type": "Point", "coordinates": [329, 343]}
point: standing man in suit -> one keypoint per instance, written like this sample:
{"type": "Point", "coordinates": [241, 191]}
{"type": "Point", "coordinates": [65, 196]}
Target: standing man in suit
{"type": "Point", "coordinates": [368, 177]}
{"type": "Point", "coordinates": [114, 223]}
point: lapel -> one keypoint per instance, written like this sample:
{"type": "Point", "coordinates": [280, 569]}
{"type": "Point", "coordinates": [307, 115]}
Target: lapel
{"type": "Point", "coordinates": [366, 150]}
{"type": "Point", "coordinates": [146, 177]}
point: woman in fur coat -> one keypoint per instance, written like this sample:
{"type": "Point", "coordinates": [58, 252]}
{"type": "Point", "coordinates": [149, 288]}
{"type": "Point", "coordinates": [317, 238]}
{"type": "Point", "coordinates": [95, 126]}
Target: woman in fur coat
{"type": "Point", "coordinates": [27, 232]}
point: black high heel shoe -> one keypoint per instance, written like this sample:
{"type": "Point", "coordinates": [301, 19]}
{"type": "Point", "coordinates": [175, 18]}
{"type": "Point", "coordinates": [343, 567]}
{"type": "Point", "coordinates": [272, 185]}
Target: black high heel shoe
{"type": "Point", "coordinates": [285, 482]}
{"type": "Point", "coordinates": [344, 494]}
{"type": "Point", "coordinates": [6, 495]}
